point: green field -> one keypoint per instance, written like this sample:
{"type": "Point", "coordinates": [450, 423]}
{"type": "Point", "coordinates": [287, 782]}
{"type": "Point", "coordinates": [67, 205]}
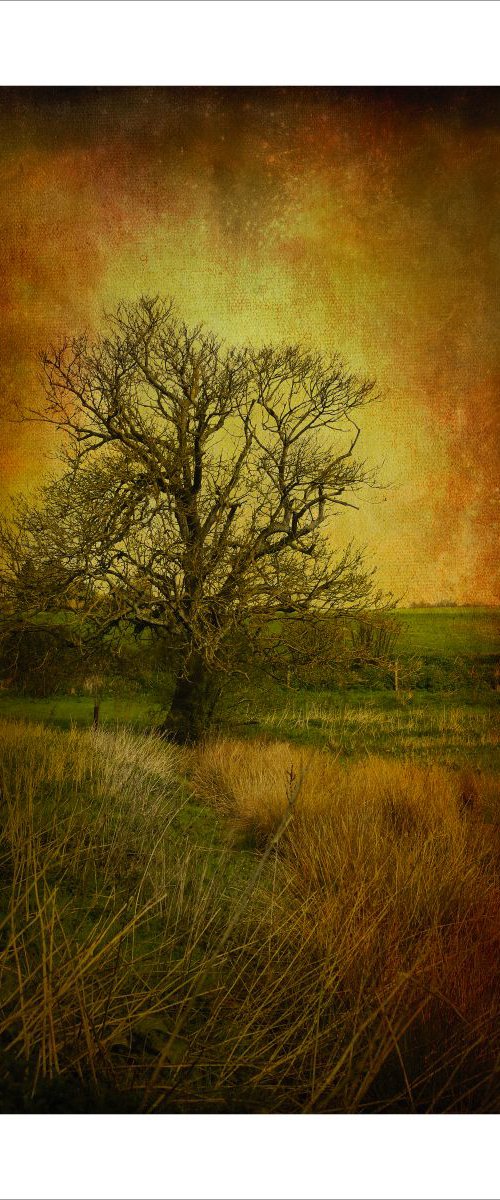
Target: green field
{"type": "Point", "coordinates": [64, 711]}
{"type": "Point", "coordinates": [447, 708]}
{"type": "Point", "coordinates": [448, 632]}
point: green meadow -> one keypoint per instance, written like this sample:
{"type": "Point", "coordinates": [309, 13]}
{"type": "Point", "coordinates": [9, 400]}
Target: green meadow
{"type": "Point", "coordinates": [446, 632]}
{"type": "Point", "coordinates": [447, 704]}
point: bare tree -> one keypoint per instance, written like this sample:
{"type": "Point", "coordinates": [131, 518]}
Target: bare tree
{"type": "Point", "coordinates": [197, 496]}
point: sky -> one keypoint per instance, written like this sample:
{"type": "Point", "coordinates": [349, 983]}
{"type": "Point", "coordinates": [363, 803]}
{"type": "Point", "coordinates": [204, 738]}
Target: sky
{"type": "Point", "coordinates": [362, 221]}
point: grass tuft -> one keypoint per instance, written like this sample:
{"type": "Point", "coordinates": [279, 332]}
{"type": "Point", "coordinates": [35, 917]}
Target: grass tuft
{"type": "Point", "coordinates": [249, 927]}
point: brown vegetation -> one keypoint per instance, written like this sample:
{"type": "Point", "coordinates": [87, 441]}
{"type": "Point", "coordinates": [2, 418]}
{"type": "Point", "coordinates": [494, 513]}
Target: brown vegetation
{"type": "Point", "coordinates": [327, 940]}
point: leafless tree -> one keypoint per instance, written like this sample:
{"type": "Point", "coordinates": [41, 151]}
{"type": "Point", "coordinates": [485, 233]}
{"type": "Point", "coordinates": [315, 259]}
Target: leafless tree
{"type": "Point", "coordinates": [197, 497]}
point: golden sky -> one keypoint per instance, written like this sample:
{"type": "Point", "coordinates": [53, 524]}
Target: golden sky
{"type": "Point", "coordinates": [358, 220]}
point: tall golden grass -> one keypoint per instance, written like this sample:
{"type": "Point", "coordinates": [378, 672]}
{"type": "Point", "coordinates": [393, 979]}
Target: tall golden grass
{"type": "Point", "coordinates": [327, 940]}
{"type": "Point", "coordinates": [447, 730]}
{"type": "Point", "coordinates": [95, 896]}
{"type": "Point", "coordinates": [394, 885]}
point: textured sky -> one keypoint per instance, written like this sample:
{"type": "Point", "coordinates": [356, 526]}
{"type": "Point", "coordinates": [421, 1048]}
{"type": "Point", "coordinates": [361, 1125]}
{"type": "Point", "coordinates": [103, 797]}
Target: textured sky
{"type": "Point", "coordinates": [358, 220]}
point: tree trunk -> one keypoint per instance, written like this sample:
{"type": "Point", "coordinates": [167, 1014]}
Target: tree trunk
{"type": "Point", "coordinates": [196, 693]}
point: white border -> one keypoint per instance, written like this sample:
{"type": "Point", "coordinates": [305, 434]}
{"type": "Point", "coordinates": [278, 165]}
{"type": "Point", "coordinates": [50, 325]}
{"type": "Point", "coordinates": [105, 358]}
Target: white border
{"type": "Point", "coordinates": [249, 42]}
{"type": "Point", "coordinates": [250, 1158]}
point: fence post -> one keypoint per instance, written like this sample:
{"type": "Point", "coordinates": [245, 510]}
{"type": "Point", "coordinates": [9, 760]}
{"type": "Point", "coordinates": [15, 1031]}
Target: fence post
{"type": "Point", "coordinates": [396, 675]}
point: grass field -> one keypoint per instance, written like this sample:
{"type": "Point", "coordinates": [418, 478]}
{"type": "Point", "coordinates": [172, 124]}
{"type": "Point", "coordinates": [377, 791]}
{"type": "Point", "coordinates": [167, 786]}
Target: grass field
{"type": "Point", "coordinates": [300, 915]}
{"type": "Point", "coordinates": [448, 632]}
{"type": "Point", "coordinates": [243, 929]}
{"type": "Point", "coordinates": [450, 710]}
{"type": "Point", "coordinates": [454, 730]}
{"type": "Point", "coordinates": [426, 728]}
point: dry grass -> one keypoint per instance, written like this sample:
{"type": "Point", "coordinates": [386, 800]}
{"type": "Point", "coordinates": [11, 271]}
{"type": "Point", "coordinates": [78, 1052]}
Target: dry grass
{"type": "Point", "coordinates": [338, 953]}
{"type": "Point", "coordinates": [411, 727]}
{"type": "Point", "coordinates": [103, 911]}
{"type": "Point", "coordinates": [395, 887]}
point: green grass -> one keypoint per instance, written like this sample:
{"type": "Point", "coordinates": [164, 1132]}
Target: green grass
{"type": "Point", "coordinates": [63, 711]}
{"type": "Point", "coordinates": [450, 632]}
{"type": "Point", "coordinates": [452, 730]}
{"type": "Point", "coordinates": [449, 710]}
